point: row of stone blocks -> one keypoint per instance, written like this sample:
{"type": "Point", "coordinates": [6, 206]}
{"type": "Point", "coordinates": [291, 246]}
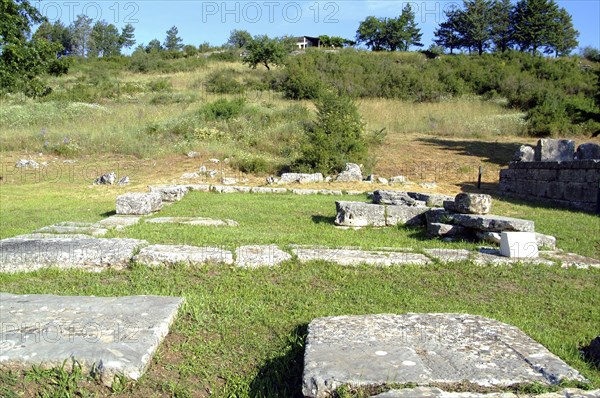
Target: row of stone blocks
{"type": "Point", "coordinates": [570, 184]}
{"type": "Point", "coordinates": [143, 203]}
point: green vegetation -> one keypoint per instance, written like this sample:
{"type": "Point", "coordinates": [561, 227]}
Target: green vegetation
{"type": "Point", "coordinates": [390, 33]}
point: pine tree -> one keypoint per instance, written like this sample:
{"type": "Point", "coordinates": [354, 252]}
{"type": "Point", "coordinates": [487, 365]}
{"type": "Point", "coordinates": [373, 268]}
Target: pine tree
{"type": "Point", "coordinates": [475, 24]}
{"type": "Point", "coordinates": [534, 22]}
{"type": "Point", "coordinates": [127, 36]}
{"type": "Point", "coordinates": [81, 30]}
{"type": "Point", "coordinates": [502, 30]}
{"type": "Point", "coordinates": [447, 33]}
{"type": "Point", "coordinates": [172, 41]}
{"type": "Point", "coordinates": [105, 40]}
{"type": "Point", "coordinates": [563, 36]}
{"type": "Point", "coordinates": [372, 32]}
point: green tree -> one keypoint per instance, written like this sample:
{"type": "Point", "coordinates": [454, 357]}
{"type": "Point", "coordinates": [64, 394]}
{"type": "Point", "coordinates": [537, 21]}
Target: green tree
{"type": "Point", "coordinates": [336, 138]}
{"type": "Point", "coordinates": [262, 50]}
{"type": "Point", "coordinates": [563, 36]}
{"type": "Point", "coordinates": [502, 29]}
{"type": "Point", "coordinates": [172, 41]}
{"type": "Point", "coordinates": [24, 61]}
{"type": "Point", "coordinates": [56, 33]}
{"type": "Point", "coordinates": [81, 31]}
{"type": "Point", "coordinates": [534, 23]}
{"type": "Point", "coordinates": [447, 33]}
{"type": "Point", "coordinates": [372, 32]}
{"type": "Point", "coordinates": [190, 50]}
{"type": "Point", "coordinates": [105, 40]}
{"type": "Point", "coordinates": [154, 46]}
{"type": "Point", "coordinates": [475, 24]}
{"type": "Point", "coordinates": [127, 36]}
{"type": "Point", "coordinates": [239, 38]}
{"type": "Point", "coordinates": [402, 32]}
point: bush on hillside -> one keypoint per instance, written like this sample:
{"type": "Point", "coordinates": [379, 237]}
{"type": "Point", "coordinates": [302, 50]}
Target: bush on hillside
{"type": "Point", "coordinates": [335, 139]}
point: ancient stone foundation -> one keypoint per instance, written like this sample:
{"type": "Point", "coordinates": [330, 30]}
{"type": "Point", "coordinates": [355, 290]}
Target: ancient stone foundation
{"type": "Point", "coordinates": [572, 184]}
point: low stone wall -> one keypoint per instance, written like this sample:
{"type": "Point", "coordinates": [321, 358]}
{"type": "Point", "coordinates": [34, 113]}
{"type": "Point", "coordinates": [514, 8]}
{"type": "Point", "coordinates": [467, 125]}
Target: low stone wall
{"type": "Point", "coordinates": [572, 184]}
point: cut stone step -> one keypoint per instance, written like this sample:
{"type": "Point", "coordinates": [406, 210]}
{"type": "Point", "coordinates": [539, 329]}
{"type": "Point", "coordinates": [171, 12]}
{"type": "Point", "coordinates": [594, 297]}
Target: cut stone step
{"type": "Point", "coordinates": [118, 222]}
{"type": "Point", "coordinates": [207, 222]}
{"type": "Point", "coordinates": [119, 335]}
{"type": "Point", "coordinates": [260, 256]}
{"type": "Point", "coordinates": [69, 227]}
{"type": "Point", "coordinates": [93, 254]}
{"type": "Point", "coordinates": [357, 257]}
{"type": "Point", "coordinates": [493, 223]}
{"type": "Point", "coordinates": [378, 350]}
{"type": "Point", "coordinates": [160, 255]}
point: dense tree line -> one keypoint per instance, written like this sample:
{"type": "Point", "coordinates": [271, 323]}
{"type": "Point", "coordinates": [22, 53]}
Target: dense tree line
{"type": "Point", "coordinates": [498, 25]}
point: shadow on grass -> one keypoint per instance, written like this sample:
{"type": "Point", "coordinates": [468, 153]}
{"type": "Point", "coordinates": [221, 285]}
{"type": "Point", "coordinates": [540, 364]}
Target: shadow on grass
{"type": "Point", "coordinates": [319, 219]}
{"type": "Point", "coordinates": [109, 213]}
{"type": "Point", "coordinates": [499, 153]}
{"type": "Point", "coordinates": [282, 376]}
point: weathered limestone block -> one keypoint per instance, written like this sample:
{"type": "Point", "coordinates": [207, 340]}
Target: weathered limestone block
{"type": "Point", "coordinates": [198, 187]}
{"type": "Point", "coordinates": [525, 153]}
{"type": "Point", "coordinates": [138, 203]}
{"type": "Point", "coordinates": [69, 227]}
{"type": "Point", "coordinates": [395, 198]}
{"type": "Point", "coordinates": [118, 222]}
{"type": "Point", "coordinates": [350, 174]}
{"type": "Point", "coordinates": [473, 203]}
{"type": "Point", "coordinates": [300, 178]}
{"type": "Point", "coordinates": [267, 190]}
{"type": "Point", "coordinates": [200, 221]}
{"type": "Point", "coordinates": [351, 257]}
{"type": "Point", "coordinates": [450, 206]}
{"type": "Point", "coordinates": [330, 192]}
{"type": "Point", "coordinates": [260, 256]}
{"type": "Point", "coordinates": [404, 215]}
{"type": "Point", "coordinates": [117, 334]}
{"type": "Point", "coordinates": [375, 350]}
{"type": "Point", "coordinates": [493, 223]}
{"type": "Point", "coordinates": [93, 254]}
{"type": "Point", "coordinates": [587, 151]}
{"type": "Point", "coordinates": [438, 215]}
{"type": "Point", "coordinates": [170, 193]}
{"type": "Point", "coordinates": [432, 392]}
{"type": "Point", "coordinates": [358, 214]}
{"type": "Point", "coordinates": [158, 255]}
{"type": "Point", "coordinates": [398, 180]}
{"type": "Point", "coordinates": [305, 191]}
{"type": "Point", "coordinates": [551, 150]}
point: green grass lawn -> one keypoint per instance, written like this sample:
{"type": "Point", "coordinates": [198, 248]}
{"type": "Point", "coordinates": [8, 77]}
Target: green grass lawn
{"type": "Point", "coordinates": [241, 332]}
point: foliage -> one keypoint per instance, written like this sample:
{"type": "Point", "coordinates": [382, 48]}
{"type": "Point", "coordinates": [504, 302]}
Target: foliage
{"type": "Point", "coordinates": [25, 62]}
{"type": "Point", "coordinates": [81, 30]}
{"type": "Point", "coordinates": [223, 109]}
{"type": "Point", "coordinates": [591, 54]}
{"type": "Point", "coordinates": [336, 138]}
{"type": "Point", "coordinates": [262, 50]}
{"type": "Point", "coordinates": [223, 81]}
{"type": "Point", "coordinates": [529, 25]}
{"type": "Point", "coordinates": [172, 40]}
{"type": "Point", "coordinates": [390, 33]}
{"type": "Point", "coordinates": [239, 38]}
{"type": "Point", "coordinates": [105, 40]}
{"type": "Point", "coordinates": [335, 41]}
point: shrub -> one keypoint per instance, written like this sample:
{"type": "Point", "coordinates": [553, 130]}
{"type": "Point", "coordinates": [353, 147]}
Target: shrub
{"type": "Point", "coordinates": [223, 109]}
{"type": "Point", "coordinates": [335, 139]}
{"type": "Point", "coordinates": [223, 82]}
{"type": "Point", "coordinates": [160, 85]}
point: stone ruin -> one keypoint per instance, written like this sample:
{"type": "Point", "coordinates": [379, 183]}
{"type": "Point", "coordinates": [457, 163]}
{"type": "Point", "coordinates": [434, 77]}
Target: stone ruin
{"type": "Point", "coordinates": [555, 173]}
{"type": "Point", "coordinates": [465, 216]}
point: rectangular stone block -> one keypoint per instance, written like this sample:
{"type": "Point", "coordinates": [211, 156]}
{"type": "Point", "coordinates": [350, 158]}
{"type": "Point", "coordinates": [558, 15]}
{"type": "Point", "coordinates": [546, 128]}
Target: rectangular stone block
{"type": "Point", "coordinates": [138, 203]}
{"type": "Point", "coordinates": [547, 175]}
{"type": "Point", "coordinates": [170, 193]}
{"type": "Point", "coordinates": [556, 190]}
{"type": "Point", "coordinates": [593, 176]}
{"type": "Point", "coordinates": [405, 215]}
{"type": "Point", "coordinates": [493, 223]}
{"type": "Point", "coordinates": [572, 175]}
{"type": "Point", "coordinates": [359, 214]}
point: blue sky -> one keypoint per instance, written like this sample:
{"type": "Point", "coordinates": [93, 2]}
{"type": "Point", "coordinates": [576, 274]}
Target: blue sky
{"type": "Point", "coordinates": [211, 21]}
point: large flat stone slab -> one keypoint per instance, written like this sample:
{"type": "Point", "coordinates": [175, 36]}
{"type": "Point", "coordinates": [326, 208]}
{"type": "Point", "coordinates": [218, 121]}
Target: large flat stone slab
{"type": "Point", "coordinates": [568, 260]}
{"type": "Point", "coordinates": [432, 392]}
{"type": "Point", "coordinates": [260, 256]}
{"type": "Point", "coordinates": [118, 222]}
{"type": "Point", "coordinates": [357, 257]}
{"type": "Point", "coordinates": [493, 223]}
{"type": "Point", "coordinates": [160, 255]}
{"type": "Point", "coordinates": [358, 214]}
{"type": "Point", "coordinates": [375, 350]}
{"type": "Point", "coordinates": [403, 215]}
{"type": "Point", "coordinates": [489, 256]}
{"type": "Point", "coordinates": [69, 227]}
{"type": "Point", "coordinates": [94, 254]}
{"type": "Point", "coordinates": [117, 335]}
{"type": "Point", "coordinates": [201, 221]}
{"type": "Point", "coordinates": [448, 255]}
